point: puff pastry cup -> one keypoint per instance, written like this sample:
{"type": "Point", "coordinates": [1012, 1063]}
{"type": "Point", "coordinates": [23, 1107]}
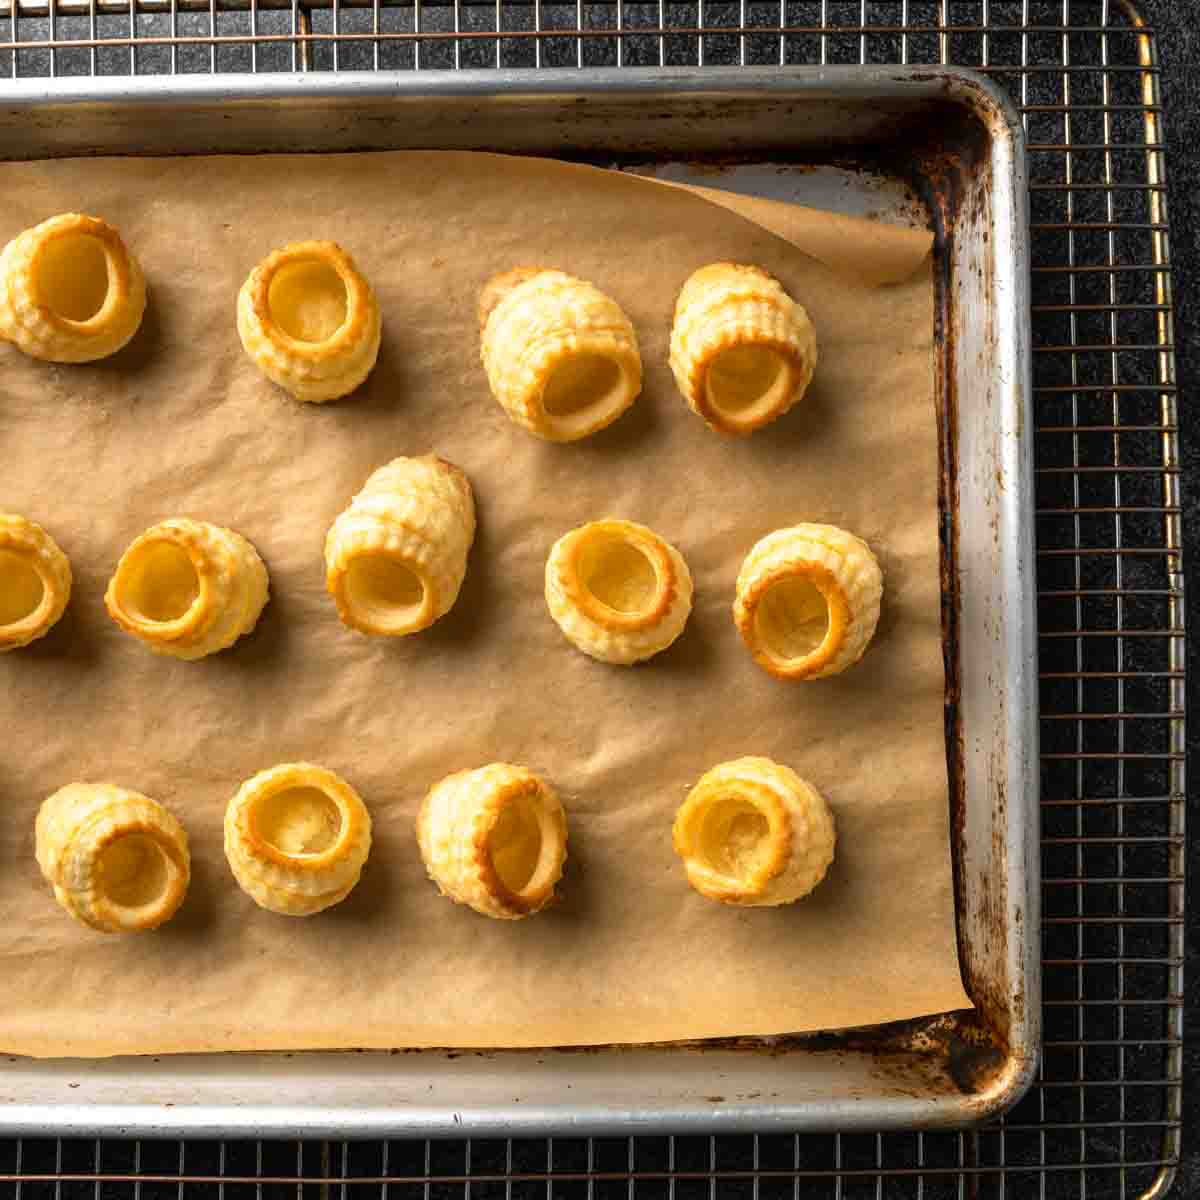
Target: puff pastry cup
{"type": "Point", "coordinates": [187, 588]}
{"type": "Point", "coordinates": [560, 355]}
{"type": "Point", "coordinates": [618, 591]}
{"type": "Point", "coordinates": [297, 837]}
{"type": "Point", "coordinates": [742, 350]}
{"type": "Point", "coordinates": [752, 832]}
{"type": "Point", "coordinates": [117, 860]}
{"type": "Point", "coordinates": [35, 581]}
{"type": "Point", "coordinates": [495, 839]}
{"type": "Point", "coordinates": [807, 601]}
{"type": "Point", "coordinates": [396, 558]}
{"type": "Point", "coordinates": [310, 321]}
{"type": "Point", "coordinates": [70, 291]}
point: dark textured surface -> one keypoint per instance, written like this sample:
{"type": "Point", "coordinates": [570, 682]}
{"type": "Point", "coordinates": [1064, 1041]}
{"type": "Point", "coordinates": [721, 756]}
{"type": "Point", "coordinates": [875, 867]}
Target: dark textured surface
{"type": "Point", "coordinates": [1177, 23]}
{"type": "Point", "coordinates": [1178, 28]}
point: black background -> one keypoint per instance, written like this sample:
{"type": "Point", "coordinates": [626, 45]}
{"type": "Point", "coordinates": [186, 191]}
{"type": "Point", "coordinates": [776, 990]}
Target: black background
{"type": "Point", "coordinates": [1177, 26]}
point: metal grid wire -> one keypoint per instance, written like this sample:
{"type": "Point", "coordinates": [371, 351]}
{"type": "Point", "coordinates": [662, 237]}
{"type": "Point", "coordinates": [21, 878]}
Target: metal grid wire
{"type": "Point", "coordinates": [1104, 1117]}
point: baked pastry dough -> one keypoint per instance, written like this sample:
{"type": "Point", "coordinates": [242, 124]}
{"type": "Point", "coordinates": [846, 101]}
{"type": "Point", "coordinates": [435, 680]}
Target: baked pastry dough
{"type": "Point", "coordinates": [495, 839]}
{"type": "Point", "coordinates": [70, 292]}
{"type": "Point", "coordinates": [396, 558]}
{"type": "Point", "coordinates": [35, 581]}
{"type": "Point", "coordinates": [618, 591]}
{"type": "Point", "coordinates": [753, 832]}
{"type": "Point", "coordinates": [742, 350]}
{"type": "Point", "coordinates": [188, 588]}
{"type": "Point", "coordinates": [310, 321]}
{"type": "Point", "coordinates": [560, 355]}
{"type": "Point", "coordinates": [808, 601]}
{"type": "Point", "coordinates": [117, 860]}
{"type": "Point", "coordinates": [296, 837]}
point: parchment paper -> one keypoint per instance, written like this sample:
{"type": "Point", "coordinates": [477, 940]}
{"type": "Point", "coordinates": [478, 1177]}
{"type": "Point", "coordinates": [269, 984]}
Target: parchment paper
{"type": "Point", "coordinates": [873, 252]}
{"type": "Point", "coordinates": [181, 423]}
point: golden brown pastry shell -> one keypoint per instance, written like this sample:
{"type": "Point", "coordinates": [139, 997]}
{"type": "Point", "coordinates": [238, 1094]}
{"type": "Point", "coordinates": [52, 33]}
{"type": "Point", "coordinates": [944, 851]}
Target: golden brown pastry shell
{"type": "Point", "coordinates": [650, 544]}
{"type": "Point", "coordinates": [746, 619]}
{"type": "Point", "coordinates": [771, 864]}
{"type": "Point", "coordinates": [358, 298]}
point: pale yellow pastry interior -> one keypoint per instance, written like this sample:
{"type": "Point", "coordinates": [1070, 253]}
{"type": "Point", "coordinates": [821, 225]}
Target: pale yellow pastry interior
{"type": "Point", "coordinates": [117, 860]}
{"type": "Point", "coordinates": [495, 839]}
{"type": "Point", "coordinates": [296, 838]}
{"type": "Point", "coordinates": [742, 350]}
{"type": "Point", "coordinates": [561, 357]}
{"type": "Point", "coordinates": [35, 581]}
{"type": "Point", "coordinates": [752, 832]}
{"type": "Point", "coordinates": [70, 291]}
{"type": "Point", "coordinates": [188, 588]}
{"type": "Point", "coordinates": [618, 591]}
{"type": "Point", "coordinates": [395, 560]}
{"type": "Point", "coordinates": [307, 300]}
{"type": "Point", "coordinates": [309, 320]}
{"type": "Point", "coordinates": [807, 601]}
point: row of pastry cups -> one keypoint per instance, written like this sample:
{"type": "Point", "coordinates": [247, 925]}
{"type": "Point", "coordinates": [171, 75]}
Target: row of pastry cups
{"type": "Point", "coordinates": [560, 355]}
{"type": "Point", "coordinates": [806, 600]}
{"type": "Point", "coordinates": [297, 836]}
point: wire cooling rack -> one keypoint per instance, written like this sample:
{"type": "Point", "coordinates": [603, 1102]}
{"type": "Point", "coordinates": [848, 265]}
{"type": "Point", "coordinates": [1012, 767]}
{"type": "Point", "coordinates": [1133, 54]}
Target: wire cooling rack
{"type": "Point", "coordinates": [1104, 1118]}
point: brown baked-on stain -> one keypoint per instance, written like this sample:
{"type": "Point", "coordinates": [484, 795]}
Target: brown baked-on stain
{"type": "Point", "coordinates": [936, 175]}
{"type": "Point", "coordinates": [953, 1053]}
{"type": "Point", "coordinates": [951, 172]}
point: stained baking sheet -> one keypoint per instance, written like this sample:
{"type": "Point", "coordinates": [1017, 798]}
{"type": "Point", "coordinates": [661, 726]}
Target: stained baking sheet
{"type": "Point", "coordinates": [180, 422]}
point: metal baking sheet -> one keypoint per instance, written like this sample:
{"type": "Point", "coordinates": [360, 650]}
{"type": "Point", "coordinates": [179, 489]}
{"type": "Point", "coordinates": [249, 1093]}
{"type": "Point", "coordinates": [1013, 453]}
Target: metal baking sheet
{"type": "Point", "coordinates": [934, 144]}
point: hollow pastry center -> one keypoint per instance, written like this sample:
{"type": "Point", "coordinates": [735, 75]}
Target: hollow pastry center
{"type": "Point", "coordinates": [744, 379]}
{"type": "Point", "coordinates": [298, 820]}
{"type": "Point", "coordinates": [515, 843]}
{"type": "Point", "coordinates": [72, 276]}
{"type": "Point", "coordinates": [134, 871]}
{"type": "Point", "coordinates": [618, 573]}
{"type": "Point", "coordinates": [793, 618]}
{"type": "Point", "coordinates": [21, 588]}
{"type": "Point", "coordinates": [383, 590]}
{"type": "Point", "coordinates": [580, 384]}
{"type": "Point", "coordinates": [308, 300]}
{"type": "Point", "coordinates": [731, 836]}
{"type": "Point", "coordinates": [159, 583]}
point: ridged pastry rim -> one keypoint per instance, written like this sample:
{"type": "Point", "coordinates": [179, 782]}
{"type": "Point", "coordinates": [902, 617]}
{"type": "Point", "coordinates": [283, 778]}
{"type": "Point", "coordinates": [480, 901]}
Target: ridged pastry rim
{"type": "Point", "coordinates": [32, 543]}
{"type": "Point", "coordinates": [571, 427]}
{"type": "Point", "coordinates": [837, 610]}
{"type": "Point", "coordinates": [539, 890]}
{"type": "Point", "coordinates": [645, 540]}
{"type": "Point", "coordinates": [337, 574]}
{"type": "Point", "coordinates": [358, 298]}
{"type": "Point", "coordinates": [201, 613]}
{"type": "Point", "coordinates": [69, 853]}
{"type": "Point", "coordinates": [718, 418]}
{"type": "Point", "coordinates": [732, 339]}
{"type": "Point", "coordinates": [335, 583]}
{"type": "Point", "coordinates": [156, 912]}
{"type": "Point", "coordinates": [552, 825]}
{"type": "Point", "coordinates": [773, 859]}
{"type": "Point", "coordinates": [116, 256]}
{"type": "Point", "coordinates": [355, 820]}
